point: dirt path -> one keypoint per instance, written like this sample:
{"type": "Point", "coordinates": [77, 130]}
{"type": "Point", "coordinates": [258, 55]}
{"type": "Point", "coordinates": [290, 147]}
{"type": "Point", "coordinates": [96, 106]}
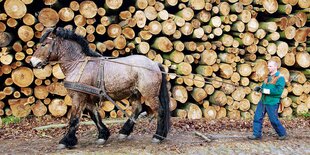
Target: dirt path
{"type": "Point", "coordinates": [229, 137]}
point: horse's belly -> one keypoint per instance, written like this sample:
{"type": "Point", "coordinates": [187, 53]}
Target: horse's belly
{"type": "Point", "coordinates": [120, 89]}
{"type": "Point", "coordinates": [120, 95]}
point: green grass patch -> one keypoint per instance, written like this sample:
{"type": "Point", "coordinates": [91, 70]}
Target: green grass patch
{"type": "Point", "coordinates": [306, 115]}
{"type": "Point", "coordinates": [10, 120]}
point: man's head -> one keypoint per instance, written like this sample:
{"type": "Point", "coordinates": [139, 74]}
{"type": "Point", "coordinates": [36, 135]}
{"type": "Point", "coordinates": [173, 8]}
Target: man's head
{"type": "Point", "coordinates": [272, 67]}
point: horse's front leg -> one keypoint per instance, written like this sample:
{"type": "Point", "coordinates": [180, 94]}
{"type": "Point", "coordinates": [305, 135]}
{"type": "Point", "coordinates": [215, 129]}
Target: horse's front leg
{"type": "Point", "coordinates": [103, 131]}
{"type": "Point", "coordinates": [70, 140]}
{"type": "Point", "coordinates": [128, 126]}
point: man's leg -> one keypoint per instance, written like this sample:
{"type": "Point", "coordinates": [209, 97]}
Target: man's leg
{"type": "Point", "coordinates": [272, 111]}
{"type": "Point", "coordinates": [258, 120]}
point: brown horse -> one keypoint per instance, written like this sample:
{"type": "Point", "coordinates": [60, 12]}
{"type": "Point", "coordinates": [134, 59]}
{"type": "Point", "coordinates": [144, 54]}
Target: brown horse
{"type": "Point", "coordinates": [132, 76]}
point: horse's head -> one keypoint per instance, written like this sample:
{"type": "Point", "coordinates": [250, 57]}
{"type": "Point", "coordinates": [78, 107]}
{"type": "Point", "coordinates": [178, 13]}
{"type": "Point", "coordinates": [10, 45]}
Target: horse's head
{"type": "Point", "coordinates": [45, 49]}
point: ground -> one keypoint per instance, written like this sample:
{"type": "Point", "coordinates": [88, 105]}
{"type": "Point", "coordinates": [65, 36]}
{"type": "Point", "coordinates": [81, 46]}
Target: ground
{"type": "Point", "coordinates": [228, 137]}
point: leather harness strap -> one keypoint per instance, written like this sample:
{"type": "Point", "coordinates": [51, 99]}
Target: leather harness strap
{"type": "Point", "coordinates": [77, 79]}
{"type": "Point", "coordinates": [273, 80]}
{"type": "Point", "coordinates": [88, 89]}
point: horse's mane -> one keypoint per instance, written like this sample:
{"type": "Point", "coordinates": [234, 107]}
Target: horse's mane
{"type": "Point", "coordinates": [68, 34]}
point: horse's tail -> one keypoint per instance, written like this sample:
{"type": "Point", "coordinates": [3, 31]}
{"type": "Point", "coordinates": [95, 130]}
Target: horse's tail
{"type": "Point", "coordinates": [164, 108]}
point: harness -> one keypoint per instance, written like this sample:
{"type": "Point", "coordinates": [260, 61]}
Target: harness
{"type": "Point", "coordinates": [99, 90]}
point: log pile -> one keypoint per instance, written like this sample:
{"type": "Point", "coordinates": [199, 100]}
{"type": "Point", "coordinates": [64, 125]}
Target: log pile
{"type": "Point", "coordinates": [215, 51]}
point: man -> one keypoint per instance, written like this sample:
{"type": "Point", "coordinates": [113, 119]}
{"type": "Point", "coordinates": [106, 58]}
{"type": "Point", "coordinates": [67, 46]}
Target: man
{"type": "Point", "coordinates": [271, 90]}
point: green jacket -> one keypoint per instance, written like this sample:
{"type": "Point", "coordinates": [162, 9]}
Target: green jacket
{"type": "Point", "coordinates": [276, 89]}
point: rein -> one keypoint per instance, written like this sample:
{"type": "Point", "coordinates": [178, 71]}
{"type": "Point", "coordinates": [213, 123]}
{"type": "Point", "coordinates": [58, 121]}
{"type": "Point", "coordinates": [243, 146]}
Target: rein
{"type": "Point", "coordinates": [110, 59]}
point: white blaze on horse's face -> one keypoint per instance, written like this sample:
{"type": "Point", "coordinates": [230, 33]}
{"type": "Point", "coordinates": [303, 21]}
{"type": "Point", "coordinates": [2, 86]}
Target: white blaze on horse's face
{"type": "Point", "coordinates": [40, 56]}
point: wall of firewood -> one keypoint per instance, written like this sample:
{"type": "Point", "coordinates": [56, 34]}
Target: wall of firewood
{"type": "Point", "coordinates": [215, 51]}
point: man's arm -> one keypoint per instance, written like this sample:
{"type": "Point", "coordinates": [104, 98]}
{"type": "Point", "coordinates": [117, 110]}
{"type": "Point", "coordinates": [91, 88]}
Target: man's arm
{"type": "Point", "coordinates": [275, 89]}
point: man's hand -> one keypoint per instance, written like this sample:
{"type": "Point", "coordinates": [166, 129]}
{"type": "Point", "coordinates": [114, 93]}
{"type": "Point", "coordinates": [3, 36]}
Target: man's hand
{"type": "Point", "coordinates": [257, 89]}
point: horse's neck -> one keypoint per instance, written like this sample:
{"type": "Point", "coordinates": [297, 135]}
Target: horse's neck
{"type": "Point", "coordinates": [70, 60]}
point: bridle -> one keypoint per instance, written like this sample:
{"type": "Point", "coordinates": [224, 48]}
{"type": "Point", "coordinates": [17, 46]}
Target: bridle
{"type": "Point", "coordinates": [50, 50]}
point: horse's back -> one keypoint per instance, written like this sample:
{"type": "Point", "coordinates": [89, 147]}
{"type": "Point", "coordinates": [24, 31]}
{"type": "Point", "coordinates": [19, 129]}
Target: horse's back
{"type": "Point", "coordinates": [132, 72]}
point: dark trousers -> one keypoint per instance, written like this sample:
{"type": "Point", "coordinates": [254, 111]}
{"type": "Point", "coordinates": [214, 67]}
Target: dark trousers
{"type": "Point", "coordinates": [272, 111]}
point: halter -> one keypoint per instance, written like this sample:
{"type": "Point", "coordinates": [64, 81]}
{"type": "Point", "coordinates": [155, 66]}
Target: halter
{"type": "Point", "coordinates": [50, 49]}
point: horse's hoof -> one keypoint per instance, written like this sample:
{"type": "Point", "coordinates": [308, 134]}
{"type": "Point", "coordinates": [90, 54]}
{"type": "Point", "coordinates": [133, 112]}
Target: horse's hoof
{"type": "Point", "coordinates": [61, 146]}
{"type": "Point", "coordinates": [100, 141]}
{"type": "Point", "coordinates": [155, 140]}
{"type": "Point", "coordinates": [122, 136]}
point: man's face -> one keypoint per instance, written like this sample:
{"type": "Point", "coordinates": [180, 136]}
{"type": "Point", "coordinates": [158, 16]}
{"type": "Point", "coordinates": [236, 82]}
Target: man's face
{"type": "Point", "coordinates": [272, 67]}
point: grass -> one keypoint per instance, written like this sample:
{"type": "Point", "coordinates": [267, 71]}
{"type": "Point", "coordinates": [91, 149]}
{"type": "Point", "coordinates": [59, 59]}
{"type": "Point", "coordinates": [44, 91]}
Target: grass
{"type": "Point", "coordinates": [10, 120]}
{"type": "Point", "coordinates": [306, 115]}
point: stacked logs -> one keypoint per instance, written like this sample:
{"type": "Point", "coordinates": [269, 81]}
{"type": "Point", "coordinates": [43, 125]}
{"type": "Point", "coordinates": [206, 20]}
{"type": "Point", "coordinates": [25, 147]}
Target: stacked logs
{"type": "Point", "coordinates": [215, 51]}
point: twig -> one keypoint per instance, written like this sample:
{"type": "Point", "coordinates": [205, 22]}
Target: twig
{"type": "Point", "coordinates": [207, 139]}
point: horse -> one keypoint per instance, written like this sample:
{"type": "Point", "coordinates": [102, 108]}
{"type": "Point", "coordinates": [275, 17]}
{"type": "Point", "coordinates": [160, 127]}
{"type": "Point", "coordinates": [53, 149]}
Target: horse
{"type": "Point", "coordinates": [133, 77]}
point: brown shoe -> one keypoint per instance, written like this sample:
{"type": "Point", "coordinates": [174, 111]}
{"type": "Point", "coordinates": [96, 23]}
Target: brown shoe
{"type": "Point", "coordinates": [252, 137]}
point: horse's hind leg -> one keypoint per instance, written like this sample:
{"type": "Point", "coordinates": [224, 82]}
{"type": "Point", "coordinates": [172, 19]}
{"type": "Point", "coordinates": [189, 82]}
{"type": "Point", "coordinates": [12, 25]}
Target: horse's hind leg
{"type": "Point", "coordinates": [162, 119]}
{"type": "Point", "coordinates": [103, 131]}
{"type": "Point", "coordinates": [127, 128]}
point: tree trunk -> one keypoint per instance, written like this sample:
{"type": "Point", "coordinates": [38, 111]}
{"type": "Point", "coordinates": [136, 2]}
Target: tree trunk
{"type": "Point", "coordinates": [57, 107]}
{"type": "Point", "coordinates": [41, 92]}
{"type": "Point", "coordinates": [180, 113]}
{"type": "Point", "coordinates": [179, 93]}
{"type": "Point", "coordinates": [57, 72]}
{"type": "Point", "coordinates": [39, 109]}
{"type": "Point", "coordinates": [19, 107]}
{"type": "Point", "coordinates": [22, 76]}
{"type": "Point", "coordinates": [163, 44]}
{"type": "Point", "coordinates": [57, 89]}
{"type": "Point", "coordinates": [5, 39]}
{"type": "Point", "coordinates": [193, 111]}
{"type": "Point", "coordinates": [218, 98]}
{"type": "Point", "coordinates": [209, 112]}
{"type": "Point", "coordinates": [15, 8]}
{"type": "Point", "coordinates": [198, 94]}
